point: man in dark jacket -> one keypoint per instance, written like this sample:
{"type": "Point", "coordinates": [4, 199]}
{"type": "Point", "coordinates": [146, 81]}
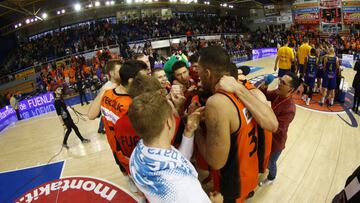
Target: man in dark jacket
{"type": "Point", "coordinates": [356, 86]}
{"type": "Point", "coordinates": [65, 118]}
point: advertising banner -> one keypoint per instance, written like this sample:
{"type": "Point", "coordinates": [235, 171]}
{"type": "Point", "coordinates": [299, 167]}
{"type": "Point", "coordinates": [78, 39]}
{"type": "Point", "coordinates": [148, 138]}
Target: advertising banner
{"type": "Point", "coordinates": [307, 15]}
{"type": "Point", "coordinates": [265, 52]}
{"type": "Point", "coordinates": [351, 15]}
{"type": "Point", "coordinates": [25, 73]}
{"type": "Point", "coordinates": [28, 108]}
{"type": "Point", "coordinates": [330, 3]}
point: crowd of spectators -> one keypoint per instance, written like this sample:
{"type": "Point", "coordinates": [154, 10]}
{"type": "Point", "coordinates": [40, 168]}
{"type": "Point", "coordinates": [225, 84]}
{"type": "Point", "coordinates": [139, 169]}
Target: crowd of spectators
{"type": "Point", "coordinates": [94, 35]}
{"type": "Point", "coordinates": [89, 36]}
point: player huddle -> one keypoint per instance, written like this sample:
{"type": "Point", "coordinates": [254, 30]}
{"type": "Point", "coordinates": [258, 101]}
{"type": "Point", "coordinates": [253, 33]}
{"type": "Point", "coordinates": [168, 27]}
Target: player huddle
{"type": "Point", "coordinates": [208, 117]}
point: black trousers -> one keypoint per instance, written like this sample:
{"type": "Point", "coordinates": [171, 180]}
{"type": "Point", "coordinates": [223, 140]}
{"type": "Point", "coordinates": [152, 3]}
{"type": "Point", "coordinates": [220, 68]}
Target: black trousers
{"type": "Point", "coordinates": [18, 114]}
{"type": "Point", "coordinates": [356, 99]}
{"type": "Point", "coordinates": [82, 94]}
{"type": "Point", "coordinates": [69, 123]}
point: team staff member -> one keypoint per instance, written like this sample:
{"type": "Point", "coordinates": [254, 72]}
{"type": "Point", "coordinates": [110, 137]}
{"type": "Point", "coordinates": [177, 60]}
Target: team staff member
{"type": "Point", "coordinates": [303, 52]}
{"type": "Point", "coordinates": [284, 108]}
{"type": "Point", "coordinates": [229, 131]}
{"type": "Point", "coordinates": [284, 59]}
{"type": "Point", "coordinates": [65, 118]}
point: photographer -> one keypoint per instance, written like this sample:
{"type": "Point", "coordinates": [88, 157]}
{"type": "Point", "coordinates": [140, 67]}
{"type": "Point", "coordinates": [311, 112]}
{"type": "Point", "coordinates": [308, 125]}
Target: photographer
{"type": "Point", "coordinates": [81, 88]}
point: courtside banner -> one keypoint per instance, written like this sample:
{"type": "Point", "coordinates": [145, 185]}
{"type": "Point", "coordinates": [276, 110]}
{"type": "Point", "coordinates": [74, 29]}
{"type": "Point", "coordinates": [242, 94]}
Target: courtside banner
{"type": "Point", "coordinates": [28, 108]}
{"type": "Point", "coordinates": [77, 189]}
{"type": "Point", "coordinates": [37, 105]}
{"type": "Point", "coordinates": [265, 52]}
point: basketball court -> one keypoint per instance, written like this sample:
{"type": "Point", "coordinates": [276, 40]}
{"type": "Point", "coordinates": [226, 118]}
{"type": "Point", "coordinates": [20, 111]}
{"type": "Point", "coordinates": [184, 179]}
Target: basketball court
{"type": "Point", "coordinates": [322, 150]}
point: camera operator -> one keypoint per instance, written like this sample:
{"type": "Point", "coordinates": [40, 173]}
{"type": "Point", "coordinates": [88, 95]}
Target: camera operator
{"type": "Point", "coordinates": [81, 87]}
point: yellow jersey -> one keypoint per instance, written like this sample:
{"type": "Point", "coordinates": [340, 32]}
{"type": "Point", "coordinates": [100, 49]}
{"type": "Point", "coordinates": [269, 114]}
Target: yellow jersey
{"type": "Point", "coordinates": [303, 52]}
{"type": "Point", "coordinates": [286, 56]}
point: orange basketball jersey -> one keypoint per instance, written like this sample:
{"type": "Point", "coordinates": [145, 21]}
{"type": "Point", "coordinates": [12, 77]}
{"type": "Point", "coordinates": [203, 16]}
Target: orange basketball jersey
{"type": "Point", "coordinates": [239, 176]}
{"type": "Point", "coordinates": [127, 140]}
{"type": "Point", "coordinates": [113, 107]}
{"type": "Point", "coordinates": [264, 140]}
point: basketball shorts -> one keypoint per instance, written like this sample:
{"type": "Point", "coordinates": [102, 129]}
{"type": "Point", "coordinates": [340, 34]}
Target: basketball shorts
{"type": "Point", "coordinates": [329, 83]}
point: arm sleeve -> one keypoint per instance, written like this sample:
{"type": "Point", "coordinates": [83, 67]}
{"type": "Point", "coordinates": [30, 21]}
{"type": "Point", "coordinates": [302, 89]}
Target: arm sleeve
{"type": "Point", "coordinates": [270, 95]}
{"type": "Point", "coordinates": [57, 108]}
{"type": "Point", "coordinates": [187, 146]}
{"type": "Point", "coordinates": [284, 120]}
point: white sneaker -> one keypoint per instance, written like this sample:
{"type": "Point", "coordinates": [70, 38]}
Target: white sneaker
{"type": "Point", "coordinates": [265, 182]}
{"type": "Point", "coordinates": [303, 97]}
{"type": "Point", "coordinates": [307, 101]}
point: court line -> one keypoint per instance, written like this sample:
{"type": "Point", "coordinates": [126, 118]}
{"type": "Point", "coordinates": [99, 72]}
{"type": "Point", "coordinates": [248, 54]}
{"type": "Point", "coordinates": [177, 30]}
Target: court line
{"type": "Point", "coordinates": [324, 112]}
{"type": "Point", "coordinates": [11, 170]}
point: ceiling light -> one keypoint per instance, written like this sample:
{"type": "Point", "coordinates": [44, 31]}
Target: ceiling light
{"type": "Point", "coordinates": [27, 21]}
{"type": "Point", "coordinates": [112, 2]}
{"type": "Point", "coordinates": [97, 3]}
{"type": "Point", "coordinates": [107, 3]}
{"type": "Point", "coordinates": [128, 1]}
{"type": "Point", "coordinates": [63, 11]}
{"type": "Point", "coordinates": [16, 26]}
{"type": "Point", "coordinates": [44, 15]}
{"type": "Point", "coordinates": [77, 7]}
{"type": "Point", "coordinates": [90, 6]}
{"type": "Point", "coordinates": [19, 24]}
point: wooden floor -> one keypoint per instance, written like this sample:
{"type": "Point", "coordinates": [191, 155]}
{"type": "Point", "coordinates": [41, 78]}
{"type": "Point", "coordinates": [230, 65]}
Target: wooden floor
{"type": "Point", "coordinates": [321, 151]}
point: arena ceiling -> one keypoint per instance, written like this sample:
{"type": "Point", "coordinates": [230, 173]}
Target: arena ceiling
{"type": "Point", "coordinates": [14, 10]}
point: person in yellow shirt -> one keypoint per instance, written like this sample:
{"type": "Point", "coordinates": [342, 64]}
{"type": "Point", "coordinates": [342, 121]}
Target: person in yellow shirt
{"type": "Point", "coordinates": [303, 52]}
{"type": "Point", "coordinates": [284, 58]}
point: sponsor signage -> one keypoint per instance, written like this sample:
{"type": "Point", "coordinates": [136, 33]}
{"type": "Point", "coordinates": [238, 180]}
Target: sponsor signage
{"type": "Point", "coordinates": [76, 189]}
{"type": "Point", "coordinates": [307, 13]}
{"type": "Point", "coordinates": [351, 15]}
{"type": "Point", "coordinates": [329, 3]}
{"type": "Point", "coordinates": [307, 16]}
{"type": "Point", "coordinates": [25, 73]}
{"type": "Point", "coordinates": [28, 108]}
{"type": "Point", "coordinates": [265, 52]}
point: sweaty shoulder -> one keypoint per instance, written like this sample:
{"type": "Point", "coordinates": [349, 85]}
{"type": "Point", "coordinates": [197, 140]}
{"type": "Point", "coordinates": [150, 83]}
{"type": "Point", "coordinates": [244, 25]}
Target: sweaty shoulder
{"type": "Point", "coordinates": [225, 110]}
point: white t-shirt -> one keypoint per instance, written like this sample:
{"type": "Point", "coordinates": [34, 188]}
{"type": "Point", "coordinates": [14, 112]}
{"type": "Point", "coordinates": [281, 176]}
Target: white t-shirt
{"type": "Point", "coordinates": [165, 175]}
{"type": "Point", "coordinates": [107, 85]}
